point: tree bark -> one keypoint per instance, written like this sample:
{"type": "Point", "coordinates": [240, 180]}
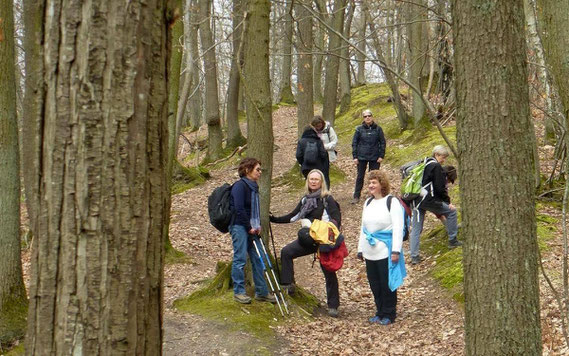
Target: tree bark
{"type": "Point", "coordinates": [319, 46]}
{"type": "Point", "coordinates": [195, 100]}
{"type": "Point", "coordinates": [234, 136]}
{"type": "Point", "coordinates": [360, 76]}
{"type": "Point", "coordinates": [344, 66]}
{"type": "Point", "coordinates": [304, 96]}
{"type": "Point", "coordinates": [496, 174]}
{"type": "Point", "coordinates": [13, 299]}
{"type": "Point", "coordinates": [177, 29]}
{"type": "Point", "coordinates": [418, 63]}
{"type": "Point", "coordinates": [256, 77]}
{"type": "Point", "coordinates": [553, 18]}
{"type": "Point", "coordinates": [332, 62]}
{"type": "Point", "coordinates": [97, 281]}
{"type": "Point", "coordinates": [285, 95]}
{"type": "Point", "coordinates": [212, 118]}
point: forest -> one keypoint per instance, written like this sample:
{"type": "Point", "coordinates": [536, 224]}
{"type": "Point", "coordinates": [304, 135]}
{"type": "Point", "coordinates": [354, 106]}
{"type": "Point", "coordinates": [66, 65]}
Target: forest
{"type": "Point", "coordinates": [118, 119]}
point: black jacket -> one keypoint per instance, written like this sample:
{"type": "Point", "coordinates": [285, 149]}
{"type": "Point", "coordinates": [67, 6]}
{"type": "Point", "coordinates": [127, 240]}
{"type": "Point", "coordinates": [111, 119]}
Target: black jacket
{"type": "Point", "coordinates": [323, 163]}
{"type": "Point", "coordinates": [332, 208]}
{"type": "Point", "coordinates": [368, 143]}
{"type": "Point", "coordinates": [434, 173]}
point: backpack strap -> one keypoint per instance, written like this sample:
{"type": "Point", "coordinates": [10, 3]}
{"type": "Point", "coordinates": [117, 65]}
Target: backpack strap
{"type": "Point", "coordinates": [368, 201]}
{"type": "Point", "coordinates": [389, 199]}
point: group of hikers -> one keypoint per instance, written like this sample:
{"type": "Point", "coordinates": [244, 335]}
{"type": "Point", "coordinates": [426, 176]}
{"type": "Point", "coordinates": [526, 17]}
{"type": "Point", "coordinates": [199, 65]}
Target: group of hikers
{"type": "Point", "coordinates": [384, 221]}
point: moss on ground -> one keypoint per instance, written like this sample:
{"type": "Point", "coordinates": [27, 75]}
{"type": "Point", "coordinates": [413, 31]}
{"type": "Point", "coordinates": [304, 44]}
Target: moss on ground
{"type": "Point", "coordinates": [547, 228]}
{"type": "Point", "coordinates": [214, 301]}
{"type": "Point", "coordinates": [184, 178]}
{"type": "Point", "coordinates": [13, 320]}
{"type": "Point", "coordinates": [16, 351]}
{"type": "Point", "coordinates": [173, 256]}
{"type": "Point", "coordinates": [292, 178]}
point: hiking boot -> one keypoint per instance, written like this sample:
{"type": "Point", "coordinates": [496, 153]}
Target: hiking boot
{"type": "Point", "coordinates": [374, 319]}
{"type": "Point", "coordinates": [242, 298]}
{"type": "Point", "coordinates": [416, 260]}
{"type": "Point", "coordinates": [333, 312]}
{"type": "Point", "coordinates": [266, 298]}
{"type": "Point", "coordinates": [288, 289]}
{"type": "Point", "coordinates": [384, 321]}
{"type": "Point", "coordinates": [355, 201]}
{"type": "Point", "coordinates": [454, 243]}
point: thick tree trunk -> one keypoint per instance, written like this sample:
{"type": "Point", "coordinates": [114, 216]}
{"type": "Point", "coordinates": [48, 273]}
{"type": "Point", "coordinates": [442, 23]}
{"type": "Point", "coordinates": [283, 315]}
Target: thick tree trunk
{"type": "Point", "coordinates": [304, 96]}
{"type": "Point", "coordinates": [234, 136]}
{"type": "Point", "coordinates": [195, 99]}
{"type": "Point", "coordinates": [553, 18]}
{"type": "Point", "coordinates": [418, 60]}
{"type": "Point", "coordinates": [360, 76]}
{"type": "Point", "coordinates": [96, 286]}
{"type": "Point", "coordinates": [177, 30]}
{"type": "Point", "coordinates": [258, 96]}
{"type": "Point", "coordinates": [285, 95]}
{"type": "Point", "coordinates": [319, 47]}
{"type": "Point", "coordinates": [493, 131]}
{"type": "Point", "coordinates": [332, 62]}
{"type": "Point", "coordinates": [344, 68]}
{"type": "Point", "coordinates": [212, 118]}
{"type": "Point", "coordinates": [13, 299]}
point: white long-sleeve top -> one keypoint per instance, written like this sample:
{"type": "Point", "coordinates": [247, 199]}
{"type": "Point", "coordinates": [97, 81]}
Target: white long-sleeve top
{"type": "Point", "coordinates": [376, 216]}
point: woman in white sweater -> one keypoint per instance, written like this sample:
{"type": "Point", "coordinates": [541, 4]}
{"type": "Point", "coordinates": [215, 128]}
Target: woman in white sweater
{"type": "Point", "coordinates": [381, 237]}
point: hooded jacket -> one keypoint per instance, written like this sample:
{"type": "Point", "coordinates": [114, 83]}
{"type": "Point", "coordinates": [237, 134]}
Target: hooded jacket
{"type": "Point", "coordinates": [368, 143]}
{"type": "Point", "coordinates": [323, 164]}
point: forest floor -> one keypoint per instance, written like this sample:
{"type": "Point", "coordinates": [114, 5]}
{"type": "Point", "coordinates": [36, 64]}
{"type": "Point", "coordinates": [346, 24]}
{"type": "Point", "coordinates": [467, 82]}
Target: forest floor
{"type": "Point", "coordinates": [429, 321]}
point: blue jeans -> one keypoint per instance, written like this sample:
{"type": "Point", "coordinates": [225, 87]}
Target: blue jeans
{"type": "Point", "coordinates": [243, 245]}
{"type": "Point", "coordinates": [438, 208]}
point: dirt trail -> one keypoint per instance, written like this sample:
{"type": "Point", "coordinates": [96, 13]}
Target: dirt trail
{"type": "Point", "coordinates": [429, 321]}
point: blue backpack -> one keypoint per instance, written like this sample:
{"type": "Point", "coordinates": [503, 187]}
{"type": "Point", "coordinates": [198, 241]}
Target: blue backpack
{"type": "Point", "coordinates": [406, 214]}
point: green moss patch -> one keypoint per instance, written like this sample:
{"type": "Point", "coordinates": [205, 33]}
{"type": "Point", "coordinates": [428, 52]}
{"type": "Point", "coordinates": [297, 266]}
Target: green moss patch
{"type": "Point", "coordinates": [337, 175]}
{"type": "Point", "coordinates": [292, 178]}
{"type": "Point", "coordinates": [184, 178]}
{"type": "Point", "coordinates": [448, 262]}
{"type": "Point", "coordinates": [16, 351]}
{"type": "Point", "coordinates": [173, 256]}
{"type": "Point", "coordinates": [13, 320]}
{"type": "Point", "coordinates": [546, 230]}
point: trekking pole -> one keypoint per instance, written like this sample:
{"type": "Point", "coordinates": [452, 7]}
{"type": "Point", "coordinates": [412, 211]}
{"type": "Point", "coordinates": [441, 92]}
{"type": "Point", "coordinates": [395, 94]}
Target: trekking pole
{"type": "Point", "coordinates": [274, 276]}
{"type": "Point", "coordinates": [274, 251]}
{"type": "Point", "coordinates": [268, 277]}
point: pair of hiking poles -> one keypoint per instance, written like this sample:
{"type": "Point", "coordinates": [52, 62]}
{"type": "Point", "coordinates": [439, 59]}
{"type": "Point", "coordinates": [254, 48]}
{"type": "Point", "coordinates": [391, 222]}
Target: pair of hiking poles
{"type": "Point", "coordinates": [268, 266]}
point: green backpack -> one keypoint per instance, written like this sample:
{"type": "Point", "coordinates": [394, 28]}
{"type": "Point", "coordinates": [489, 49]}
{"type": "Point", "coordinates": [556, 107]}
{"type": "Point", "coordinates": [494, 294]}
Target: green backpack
{"type": "Point", "coordinates": [411, 187]}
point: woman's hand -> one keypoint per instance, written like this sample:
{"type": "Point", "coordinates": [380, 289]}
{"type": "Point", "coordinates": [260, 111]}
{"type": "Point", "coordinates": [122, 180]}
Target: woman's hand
{"type": "Point", "coordinates": [255, 231]}
{"type": "Point", "coordinates": [360, 256]}
{"type": "Point", "coordinates": [395, 257]}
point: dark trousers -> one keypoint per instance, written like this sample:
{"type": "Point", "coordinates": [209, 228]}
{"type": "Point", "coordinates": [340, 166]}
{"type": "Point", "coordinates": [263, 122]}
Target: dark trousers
{"type": "Point", "coordinates": [362, 165]}
{"type": "Point", "coordinates": [326, 173]}
{"type": "Point", "coordinates": [385, 299]}
{"type": "Point", "coordinates": [294, 250]}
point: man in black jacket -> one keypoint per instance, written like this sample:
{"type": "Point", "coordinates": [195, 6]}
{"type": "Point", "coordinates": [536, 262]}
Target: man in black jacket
{"type": "Point", "coordinates": [311, 154]}
{"type": "Point", "coordinates": [436, 201]}
{"type": "Point", "coordinates": [368, 150]}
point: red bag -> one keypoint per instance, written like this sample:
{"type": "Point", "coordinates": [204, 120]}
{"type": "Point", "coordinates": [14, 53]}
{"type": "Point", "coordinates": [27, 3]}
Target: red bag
{"type": "Point", "coordinates": [333, 260]}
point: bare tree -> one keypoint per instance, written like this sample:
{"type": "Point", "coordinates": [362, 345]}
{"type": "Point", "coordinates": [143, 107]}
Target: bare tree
{"type": "Point", "coordinates": [215, 137]}
{"type": "Point", "coordinates": [258, 95]}
{"type": "Point", "coordinates": [96, 281]}
{"type": "Point", "coordinates": [234, 136]}
{"type": "Point", "coordinates": [344, 76]}
{"type": "Point", "coordinates": [332, 61]}
{"type": "Point", "coordinates": [304, 62]}
{"type": "Point", "coordinates": [493, 130]}
{"type": "Point", "coordinates": [13, 299]}
{"type": "Point", "coordinates": [285, 95]}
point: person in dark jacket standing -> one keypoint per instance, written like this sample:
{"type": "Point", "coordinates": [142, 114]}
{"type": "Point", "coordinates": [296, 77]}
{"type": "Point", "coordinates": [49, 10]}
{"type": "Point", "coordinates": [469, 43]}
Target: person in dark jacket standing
{"type": "Point", "coordinates": [368, 150]}
{"type": "Point", "coordinates": [311, 154]}
{"type": "Point", "coordinates": [317, 203]}
{"type": "Point", "coordinates": [245, 226]}
{"type": "Point", "coordinates": [436, 201]}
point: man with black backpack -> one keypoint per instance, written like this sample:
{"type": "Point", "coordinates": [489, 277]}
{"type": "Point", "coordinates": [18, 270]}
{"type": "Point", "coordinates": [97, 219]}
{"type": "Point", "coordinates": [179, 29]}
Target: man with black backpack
{"type": "Point", "coordinates": [311, 154]}
{"type": "Point", "coordinates": [368, 150]}
{"type": "Point", "coordinates": [436, 200]}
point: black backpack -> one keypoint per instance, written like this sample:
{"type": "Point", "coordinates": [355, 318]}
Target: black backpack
{"type": "Point", "coordinates": [219, 207]}
{"type": "Point", "coordinates": [311, 152]}
{"type": "Point", "coordinates": [406, 214]}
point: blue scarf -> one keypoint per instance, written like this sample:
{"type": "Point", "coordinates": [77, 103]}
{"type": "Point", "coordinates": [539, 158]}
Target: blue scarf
{"type": "Point", "coordinates": [255, 220]}
{"type": "Point", "coordinates": [396, 271]}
